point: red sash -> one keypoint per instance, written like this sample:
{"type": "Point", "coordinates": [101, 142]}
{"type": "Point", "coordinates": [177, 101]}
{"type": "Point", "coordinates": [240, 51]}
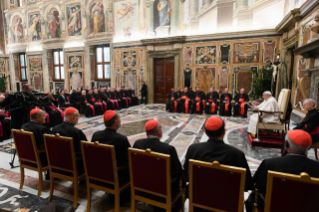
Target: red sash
{"type": "Point", "coordinates": [101, 105]}
{"type": "Point", "coordinates": [186, 103]}
{"type": "Point", "coordinates": [1, 130]}
{"type": "Point", "coordinates": [211, 100]}
{"type": "Point", "coordinates": [93, 99]}
{"type": "Point", "coordinates": [93, 110]}
{"type": "Point", "coordinates": [85, 102]}
{"type": "Point", "coordinates": [314, 131]}
{"type": "Point", "coordinates": [242, 106]}
{"type": "Point", "coordinates": [6, 114]}
{"type": "Point", "coordinates": [68, 98]}
{"type": "Point", "coordinates": [213, 108]}
{"type": "Point", "coordinates": [197, 104]}
{"type": "Point", "coordinates": [227, 104]}
{"type": "Point", "coordinates": [175, 106]}
{"type": "Point", "coordinates": [204, 104]}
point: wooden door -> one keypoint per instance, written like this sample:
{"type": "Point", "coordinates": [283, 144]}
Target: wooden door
{"type": "Point", "coordinates": [163, 78]}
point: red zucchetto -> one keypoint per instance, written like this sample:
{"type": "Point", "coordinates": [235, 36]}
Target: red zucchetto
{"type": "Point", "coordinates": [300, 137]}
{"type": "Point", "coordinates": [213, 123]}
{"type": "Point", "coordinates": [108, 115]}
{"type": "Point", "coordinates": [151, 124]}
{"type": "Point", "coordinates": [34, 111]}
{"type": "Point", "coordinates": [69, 111]}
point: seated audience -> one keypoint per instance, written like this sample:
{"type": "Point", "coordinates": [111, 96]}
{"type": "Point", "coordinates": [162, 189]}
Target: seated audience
{"type": "Point", "coordinates": [240, 104]}
{"type": "Point", "coordinates": [270, 105]}
{"type": "Point", "coordinates": [310, 123]}
{"type": "Point", "coordinates": [295, 162]}
{"type": "Point", "coordinates": [36, 125]}
{"type": "Point", "coordinates": [216, 150]}
{"type": "Point", "coordinates": [225, 107]}
{"type": "Point", "coordinates": [68, 129]}
{"type": "Point", "coordinates": [112, 121]}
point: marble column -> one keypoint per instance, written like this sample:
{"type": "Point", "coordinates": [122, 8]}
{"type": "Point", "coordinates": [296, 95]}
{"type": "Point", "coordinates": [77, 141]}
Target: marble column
{"type": "Point", "coordinates": [12, 74]}
{"type": "Point", "coordinates": [87, 79]}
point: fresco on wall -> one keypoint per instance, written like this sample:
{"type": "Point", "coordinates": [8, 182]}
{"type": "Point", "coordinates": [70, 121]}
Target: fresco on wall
{"type": "Point", "coordinates": [162, 16]}
{"type": "Point", "coordinates": [34, 29]}
{"type": "Point", "coordinates": [76, 79]}
{"type": "Point", "coordinates": [206, 55]}
{"type": "Point", "coordinates": [129, 59]}
{"type": "Point", "coordinates": [246, 52]}
{"type": "Point", "coordinates": [17, 29]}
{"type": "Point", "coordinates": [126, 19]}
{"type": "Point", "coordinates": [74, 20]}
{"type": "Point", "coordinates": [223, 78]}
{"type": "Point", "coordinates": [37, 81]}
{"type": "Point", "coordinates": [269, 51]}
{"type": "Point", "coordinates": [97, 18]}
{"type": "Point", "coordinates": [2, 65]}
{"type": "Point", "coordinates": [130, 79]}
{"type": "Point", "coordinates": [205, 78]}
{"type": "Point", "coordinates": [53, 22]}
{"type": "Point", "coordinates": [224, 54]}
{"type": "Point", "coordinates": [35, 64]}
{"type": "Point", "coordinates": [187, 56]}
{"type": "Point", "coordinates": [75, 61]}
{"type": "Point", "coordinates": [301, 65]}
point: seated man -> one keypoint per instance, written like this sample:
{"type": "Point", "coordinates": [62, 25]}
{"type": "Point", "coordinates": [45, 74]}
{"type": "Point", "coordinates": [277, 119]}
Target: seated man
{"type": "Point", "coordinates": [225, 104]}
{"type": "Point", "coordinates": [211, 102]}
{"type": "Point", "coordinates": [270, 105]}
{"type": "Point", "coordinates": [171, 105]}
{"type": "Point", "coordinates": [198, 106]}
{"type": "Point", "coordinates": [216, 150]}
{"type": "Point", "coordinates": [295, 162]}
{"type": "Point", "coordinates": [240, 104]}
{"type": "Point", "coordinates": [116, 98]}
{"type": "Point", "coordinates": [109, 136]}
{"type": "Point", "coordinates": [55, 114]}
{"type": "Point", "coordinates": [105, 99]}
{"type": "Point", "coordinates": [74, 100]}
{"type": "Point", "coordinates": [99, 101]}
{"type": "Point", "coordinates": [87, 108]}
{"type": "Point", "coordinates": [97, 107]}
{"type": "Point", "coordinates": [36, 125]}
{"type": "Point", "coordinates": [186, 101]}
{"type": "Point", "coordinates": [131, 94]}
{"type": "Point", "coordinates": [68, 129]}
{"type": "Point", "coordinates": [310, 123]}
{"type": "Point", "coordinates": [63, 102]}
{"type": "Point", "coordinates": [109, 94]}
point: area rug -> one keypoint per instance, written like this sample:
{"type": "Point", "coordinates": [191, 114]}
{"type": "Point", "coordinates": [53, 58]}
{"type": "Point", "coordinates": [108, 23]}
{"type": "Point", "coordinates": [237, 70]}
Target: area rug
{"type": "Point", "coordinates": [266, 141]}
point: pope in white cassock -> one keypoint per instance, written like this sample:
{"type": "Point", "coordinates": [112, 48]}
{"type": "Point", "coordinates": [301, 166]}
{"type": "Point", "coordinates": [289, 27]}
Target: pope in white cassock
{"type": "Point", "coordinates": [269, 104]}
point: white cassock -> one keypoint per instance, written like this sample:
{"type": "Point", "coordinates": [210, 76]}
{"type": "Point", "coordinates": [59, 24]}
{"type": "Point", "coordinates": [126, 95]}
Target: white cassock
{"type": "Point", "coordinates": [270, 105]}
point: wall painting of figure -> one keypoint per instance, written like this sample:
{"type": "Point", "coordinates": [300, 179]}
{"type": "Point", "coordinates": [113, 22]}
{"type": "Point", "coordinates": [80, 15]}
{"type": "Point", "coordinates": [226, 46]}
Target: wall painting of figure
{"type": "Point", "coordinates": [74, 20]}
{"type": "Point", "coordinates": [17, 29]}
{"type": "Point", "coordinates": [97, 18]}
{"type": "Point", "coordinates": [53, 21]}
{"type": "Point", "coordinates": [34, 29]}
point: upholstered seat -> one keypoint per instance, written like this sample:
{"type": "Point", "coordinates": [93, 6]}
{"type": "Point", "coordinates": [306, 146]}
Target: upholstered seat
{"type": "Point", "coordinates": [29, 155]}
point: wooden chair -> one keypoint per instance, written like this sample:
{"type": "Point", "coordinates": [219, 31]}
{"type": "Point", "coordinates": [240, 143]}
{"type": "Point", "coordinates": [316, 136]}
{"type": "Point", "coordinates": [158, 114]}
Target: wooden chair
{"type": "Point", "coordinates": [293, 193]}
{"type": "Point", "coordinates": [151, 180]}
{"type": "Point", "coordinates": [215, 187]}
{"type": "Point", "coordinates": [29, 155]}
{"type": "Point", "coordinates": [62, 162]}
{"type": "Point", "coordinates": [102, 175]}
{"type": "Point", "coordinates": [283, 101]}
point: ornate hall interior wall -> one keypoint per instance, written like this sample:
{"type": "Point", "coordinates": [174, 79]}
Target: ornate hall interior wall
{"type": "Point", "coordinates": [214, 42]}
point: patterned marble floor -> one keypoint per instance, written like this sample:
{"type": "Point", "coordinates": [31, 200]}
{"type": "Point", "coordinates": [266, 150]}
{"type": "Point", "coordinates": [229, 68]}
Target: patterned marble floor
{"type": "Point", "coordinates": [180, 130]}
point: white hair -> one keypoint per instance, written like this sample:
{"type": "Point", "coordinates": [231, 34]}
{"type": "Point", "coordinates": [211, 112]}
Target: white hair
{"type": "Point", "coordinates": [310, 101]}
{"type": "Point", "coordinates": [295, 147]}
{"type": "Point", "coordinates": [268, 93]}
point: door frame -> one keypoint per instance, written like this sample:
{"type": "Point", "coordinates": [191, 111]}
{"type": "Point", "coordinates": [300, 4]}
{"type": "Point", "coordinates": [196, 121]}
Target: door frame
{"type": "Point", "coordinates": [151, 55]}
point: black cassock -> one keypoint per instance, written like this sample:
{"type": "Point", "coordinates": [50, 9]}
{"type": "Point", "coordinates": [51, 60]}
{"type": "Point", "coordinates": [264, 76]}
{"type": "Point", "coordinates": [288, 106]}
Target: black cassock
{"type": "Point", "coordinates": [102, 104]}
{"type": "Point", "coordinates": [54, 114]}
{"type": "Point", "coordinates": [312, 122]}
{"type": "Point", "coordinates": [124, 100]}
{"type": "Point", "coordinates": [74, 100]}
{"type": "Point", "coordinates": [291, 164]}
{"type": "Point", "coordinates": [63, 102]}
{"type": "Point", "coordinates": [38, 131]}
{"type": "Point", "coordinates": [225, 105]}
{"type": "Point", "coordinates": [120, 143]}
{"type": "Point", "coordinates": [69, 130]}
{"type": "Point", "coordinates": [104, 98]}
{"type": "Point", "coordinates": [240, 106]}
{"type": "Point", "coordinates": [115, 97]}
{"type": "Point", "coordinates": [88, 110]}
{"type": "Point", "coordinates": [217, 150]}
{"type": "Point", "coordinates": [171, 104]}
{"type": "Point", "coordinates": [211, 103]}
{"type": "Point", "coordinates": [6, 128]}
{"type": "Point", "coordinates": [186, 102]}
{"type": "Point", "coordinates": [178, 96]}
{"type": "Point", "coordinates": [131, 94]}
{"type": "Point", "coordinates": [98, 109]}
{"type": "Point", "coordinates": [198, 106]}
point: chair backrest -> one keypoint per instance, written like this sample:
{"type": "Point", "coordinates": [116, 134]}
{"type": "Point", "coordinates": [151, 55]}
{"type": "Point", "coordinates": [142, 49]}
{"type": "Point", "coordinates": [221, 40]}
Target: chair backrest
{"type": "Point", "coordinates": [283, 101]}
{"type": "Point", "coordinates": [60, 153]}
{"type": "Point", "coordinates": [216, 187]}
{"type": "Point", "coordinates": [26, 146]}
{"type": "Point", "coordinates": [293, 193]}
{"type": "Point", "coordinates": [99, 162]}
{"type": "Point", "coordinates": [150, 172]}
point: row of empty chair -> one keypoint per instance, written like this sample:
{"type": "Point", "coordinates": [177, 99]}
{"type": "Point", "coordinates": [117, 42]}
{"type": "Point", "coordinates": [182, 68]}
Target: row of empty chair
{"type": "Point", "coordinates": [212, 186]}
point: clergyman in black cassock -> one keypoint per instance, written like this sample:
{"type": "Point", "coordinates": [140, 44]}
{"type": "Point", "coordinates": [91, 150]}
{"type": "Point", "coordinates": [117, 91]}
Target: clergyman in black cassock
{"type": "Point", "coordinates": [171, 104]}
{"type": "Point", "coordinates": [295, 162]}
{"type": "Point", "coordinates": [90, 98]}
{"type": "Point", "coordinates": [178, 95]}
{"type": "Point", "coordinates": [310, 123]}
{"type": "Point", "coordinates": [68, 129]}
{"type": "Point", "coordinates": [105, 99]}
{"type": "Point", "coordinates": [197, 106]}
{"type": "Point", "coordinates": [87, 108]}
{"type": "Point", "coordinates": [186, 101]}
{"type": "Point", "coordinates": [74, 100]}
{"type": "Point", "coordinates": [116, 98]}
{"type": "Point", "coordinates": [241, 106]}
{"type": "Point", "coordinates": [36, 125]}
{"type": "Point", "coordinates": [211, 102]}
{"type": "Point", "coordinates": [63, 102]}
{"type": "Point", "coordinates": [133, 97]}
{"type": "Point", "coordinates": [216, 150]}
{"type": "Point", "coordinates": [225, 104]}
